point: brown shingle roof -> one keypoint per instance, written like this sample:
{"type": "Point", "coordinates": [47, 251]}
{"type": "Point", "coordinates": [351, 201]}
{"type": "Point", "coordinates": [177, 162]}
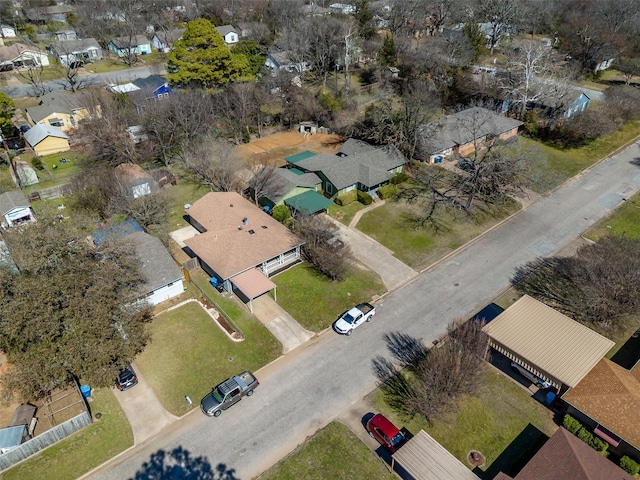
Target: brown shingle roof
{"type": "Point", "coordinates": [610, 395]}
{"type": "Point", "coordinates": [229, 245]}
{"type": "Point", "coordinates": [566, 457]}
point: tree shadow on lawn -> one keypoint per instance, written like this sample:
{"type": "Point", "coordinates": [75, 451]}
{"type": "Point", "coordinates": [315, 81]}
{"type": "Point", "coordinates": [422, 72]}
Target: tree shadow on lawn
{"type": "Point", "coordinates": [178, 464]}
{"type": "Point", "coordinates": [516, 455]}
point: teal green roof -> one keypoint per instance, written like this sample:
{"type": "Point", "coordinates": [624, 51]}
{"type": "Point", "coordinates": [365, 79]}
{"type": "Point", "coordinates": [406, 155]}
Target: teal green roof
{"type": "Point", "coordinates": [300, 156]}
{"type": "Point", "coordinates": [308, 202]}
{"type": "Point", "coordinates": [297, 171]}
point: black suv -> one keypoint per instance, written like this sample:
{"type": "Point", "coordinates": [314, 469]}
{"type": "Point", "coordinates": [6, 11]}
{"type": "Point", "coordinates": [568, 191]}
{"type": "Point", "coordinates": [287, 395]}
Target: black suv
{"type": "Point", "coordinates": [126, 379]}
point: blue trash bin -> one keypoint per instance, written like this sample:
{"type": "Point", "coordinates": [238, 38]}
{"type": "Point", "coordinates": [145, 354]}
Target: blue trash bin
{"type": "Point", "coordinates": [85, 390]}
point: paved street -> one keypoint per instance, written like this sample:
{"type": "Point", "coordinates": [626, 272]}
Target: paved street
{"type": "Point", "coordinates": [120, 76]}
{"type": "Point", "coordinates": [315, 383]}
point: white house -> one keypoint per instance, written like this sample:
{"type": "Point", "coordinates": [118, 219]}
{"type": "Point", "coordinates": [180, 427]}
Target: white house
{"type": "Point", "coordinates": [229, 33]}
{"type": "Point", "coordinates": [15, 209]}
{"type": "Point", "coordinates": [19, 55]}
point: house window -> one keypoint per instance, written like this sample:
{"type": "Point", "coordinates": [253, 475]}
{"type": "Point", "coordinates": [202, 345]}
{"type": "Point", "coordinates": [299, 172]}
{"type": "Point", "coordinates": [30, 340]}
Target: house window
{"type": "Point", "coordinates": [56, 122]}
{"type": "Point", "coordinates": [329, 188]}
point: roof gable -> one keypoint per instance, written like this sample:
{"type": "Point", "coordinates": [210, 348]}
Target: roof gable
{"type": "Point", "coordinates": [123, 43]}
{"type": "Point", "coordinates": [152, 82]}
{"type": "Point", "coordinates": [157, 266]}
{"type": "Point", "coordinates": [39, 132]}
{"type": "Point", "coordinates": [12, 199]}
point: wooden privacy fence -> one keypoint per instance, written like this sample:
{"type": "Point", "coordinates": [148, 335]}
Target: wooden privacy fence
{"type": "Point", "coordinates": [44, 440]}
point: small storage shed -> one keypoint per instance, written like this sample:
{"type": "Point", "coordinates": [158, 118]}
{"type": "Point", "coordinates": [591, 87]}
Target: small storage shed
{"type": "Point", "coordinates": [422, 458]}
{"type": "Point", "coordinates": [544, 341]}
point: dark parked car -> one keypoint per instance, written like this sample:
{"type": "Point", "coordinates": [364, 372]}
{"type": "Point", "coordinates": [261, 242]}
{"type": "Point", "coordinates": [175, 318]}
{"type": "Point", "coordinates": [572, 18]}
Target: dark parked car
{"type": "Point", "coordinates": [126, 379]}
{"type": "Point", "coordinates": [385, 432]}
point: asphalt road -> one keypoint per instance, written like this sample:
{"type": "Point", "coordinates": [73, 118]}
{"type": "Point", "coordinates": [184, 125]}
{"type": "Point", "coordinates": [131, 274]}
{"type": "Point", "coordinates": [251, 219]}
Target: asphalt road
{"type": "Point", "coordinates": [310, 386]}
{"type": "Point", "coordinates": [120, 76]}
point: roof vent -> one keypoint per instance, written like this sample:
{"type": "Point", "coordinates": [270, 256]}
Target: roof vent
{"type": "Point", "coordinates": [251, 232]}
{"type": "Point", "coordinates": [265, 227]}
{"type": "Point", "coordinates": [245, 221]}
{"type": "Point", "coordinates": [231, 204]}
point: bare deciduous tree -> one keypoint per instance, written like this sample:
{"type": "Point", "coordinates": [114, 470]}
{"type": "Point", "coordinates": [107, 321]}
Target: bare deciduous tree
{"type": "Point", "coordinates": [213, 162]}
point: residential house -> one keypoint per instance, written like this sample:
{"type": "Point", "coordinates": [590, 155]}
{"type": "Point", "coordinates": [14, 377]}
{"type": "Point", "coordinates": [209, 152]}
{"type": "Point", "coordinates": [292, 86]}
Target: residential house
{"type": "Point", "coordinates": [291, 187]}
{"type": "Point", "coordinates": [459, 133]}
{"type": "Point", "coordinates": [62, 35]}
{"type": "Point", "coordinates": [565, 456]}
{"type": "Point", "coordinates": [547, 343]}
{"type": "Point", "coordinates": [569, 105]}
{"type": "Point", "coordinates": [125, 46]}
{"type": "Point", "coordinates": [42, 15]}
{"type": "Point", "coordinates": [342, 9]}
{"type": "Point", "coordinates": [163, 279]}
{"type": "Point", "coordinates": [163, 41]}
{"type": "Point", "coordinates": [60, 109]}
{"type": "Point", "coordinates": [313, 10]}
{"type": "Point", "coordinates": [7, 31]}
{"type": "Point", "coordinates": [607, 401]}
{"type": "Point", "coordinates": [246, 29]}
{"type": "Point", "coordinates": [143, 90]}
{"type": "Point", "coordinates": [134, 180]}
{"type": "Point", "coordinates": [46, 139]}
{"type": "Point", "coordinates": [229, 33]}
{"type": "Point", "coordinates": [356, 166]}
{"type": "Point", "coordinates": [19, 55]}
{"type": "Point", "coordinates": [15, 209]}
{"type": "Point", "coordinates": [79, 51]}
{"type": "Point", "coordinates": [238, 244]}
{"type": "Point", "coordinates": [283, 60]}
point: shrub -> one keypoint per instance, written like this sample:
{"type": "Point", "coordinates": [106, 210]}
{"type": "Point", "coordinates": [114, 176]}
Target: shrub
{"type": "Point", "coordinates": [347, 198]}
{"type": "Point", "coordinates": [630, 466]}
{"type": "Point", "coordinates": [364, 198]}
{"type": "Point", "coordinates": [571, 424]}
{"type": "Point", "coordinates": [281, 213]}
{"type": "Point", "coordinates": [585, 435]}
{"type": "Point", "coordinates": [598, 444]}
{"type": "Point", "coordinates": [37, 164]}
{"type": "Point", "coordinates": [388, 191]}
{"type": "Point", "coordinates": [398, 178]}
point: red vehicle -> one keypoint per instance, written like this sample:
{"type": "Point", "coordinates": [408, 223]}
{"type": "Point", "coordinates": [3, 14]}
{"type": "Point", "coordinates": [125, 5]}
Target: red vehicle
{"type": "Point", "coordinates": [385, 432]}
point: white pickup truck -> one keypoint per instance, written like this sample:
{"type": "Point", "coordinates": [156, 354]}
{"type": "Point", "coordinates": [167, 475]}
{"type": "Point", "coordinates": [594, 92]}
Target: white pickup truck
{"type": "Point", "coordinates": [353, 318]}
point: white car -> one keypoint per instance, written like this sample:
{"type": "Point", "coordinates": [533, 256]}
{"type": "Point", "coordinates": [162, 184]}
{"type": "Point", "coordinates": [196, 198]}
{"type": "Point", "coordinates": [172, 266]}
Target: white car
{"type": "Point", "coordinates": [355, 317]}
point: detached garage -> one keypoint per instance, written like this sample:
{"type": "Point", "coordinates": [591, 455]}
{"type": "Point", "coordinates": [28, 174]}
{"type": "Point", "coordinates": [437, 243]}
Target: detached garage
{"type": "Point", "coordinates": [46, 139]}
{"type": "Point", "coordinates": [547, 343]}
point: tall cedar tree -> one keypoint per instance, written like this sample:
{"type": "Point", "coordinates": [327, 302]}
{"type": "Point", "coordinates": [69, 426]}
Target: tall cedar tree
{"type": "Point", "coordinates": [67, 311]}
{"type": "Point", "coordinates": [387, 55]}
{"type": "Point", "coordinates": [201, 58]}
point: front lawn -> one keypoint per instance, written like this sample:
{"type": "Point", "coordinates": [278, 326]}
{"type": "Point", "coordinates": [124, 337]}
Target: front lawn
{"type": "Point", "coordinates": [625, 221]}
{"type": "Point", "coordinates": [183, 193]}
{"type": "Point", "coordinates": [315, 301]}
{"type": "Point", "coordinates": [189, 354]}
{"type": "Point", "coordinates": [105, 65]}
{"type": "Point", "coordinates": [562, 164]}
{"type": "Point", "coordinates": [419, 248]}
{"type": "Point", "coordinates": [85, 450]}
{"type": "Point", "coordinates": [332, 453]}
{"type": "Point", "coordinates": [501, 421]}
{"type": "Point", "coordinates": [345, 214]}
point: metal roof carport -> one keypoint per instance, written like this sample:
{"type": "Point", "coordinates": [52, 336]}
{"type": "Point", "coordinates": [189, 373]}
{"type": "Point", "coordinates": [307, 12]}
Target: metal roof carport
{"type": "Point", "coordinates": [252, 283]}
{"type": "Point", "coordinates": [546, 342]}
{"type": "Point", "coordinates": [425, 459]}
{"type": "Point", "coordinates": [308, 202]}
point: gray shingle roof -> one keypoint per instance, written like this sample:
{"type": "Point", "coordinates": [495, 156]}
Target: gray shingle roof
{"type": "Point", "coordinates": [363, 164]}
{"type": "Point", "coordinates": [224, 29]}
{"type": "Point", "coordinates": [12, 199]}
{"type": "Point", "coordinates": [57, 102]}
{"type": "Point", "coordinates": [286, 180]}
{"type": "Point", "coordinates": [459, 128]}
{"type": "Point", "coordinates": [122, 43]}
{"type": "Point", "coordinates": [39, 132]}
{"type": "Point", "coordinates": [66, 47]}
{"type": "Point", "coordinates": [150, 83]}
{"type": "Point", "coordinates": [157, 265]}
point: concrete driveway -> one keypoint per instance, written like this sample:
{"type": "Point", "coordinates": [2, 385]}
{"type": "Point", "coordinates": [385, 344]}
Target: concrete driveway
{"type": "Point", "coordinates": [377, 257]}
{"type": "Point", "coordinates": [282, 325]}
{"type": "Point", "coordinates": [144, 411]}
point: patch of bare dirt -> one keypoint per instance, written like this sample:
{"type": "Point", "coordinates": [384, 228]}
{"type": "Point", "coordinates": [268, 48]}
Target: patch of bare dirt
{"type": "Point", "coordinates": [272, 149]}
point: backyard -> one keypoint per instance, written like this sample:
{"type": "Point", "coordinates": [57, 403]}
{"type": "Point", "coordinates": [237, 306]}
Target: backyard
{"type": "Point", "coordinates": [85, 450]}
{"type": "Point", "coordinates": [332, 453]}
{"type": "Point", "coordinates": [315, 301]}
{"type": "Point", "coordinates": [189, 353]}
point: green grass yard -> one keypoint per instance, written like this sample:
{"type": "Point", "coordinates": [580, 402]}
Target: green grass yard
{"type": "Point", "coordinates": [624, 221]}
{"type": "Point", "coordinates": [83, 451]}
{"type": "Point", "coordinates": [345, 214]}
{"type": "Point", "coordinates": [419, 248]}
{"type": "Point", "coordinates": [333, 453]}
{"type": "Point", "coordinates": [489, 421]}
{"type": "Point", "coordinates": [315, 301]}
{"type": "Point", "coordinates": [189, 354]}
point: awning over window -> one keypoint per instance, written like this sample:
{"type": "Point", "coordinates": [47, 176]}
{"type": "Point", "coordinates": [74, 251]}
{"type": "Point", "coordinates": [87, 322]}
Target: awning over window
{"type": "Point", "coordinates": [252, 283]}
